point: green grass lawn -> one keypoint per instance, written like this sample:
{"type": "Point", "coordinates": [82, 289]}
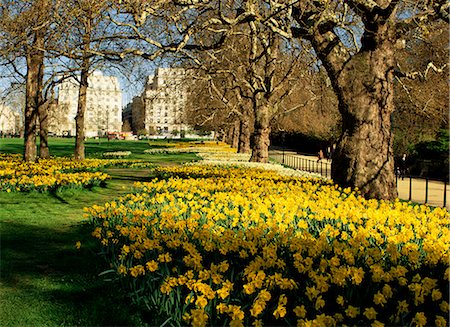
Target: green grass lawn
{"type": "Point", "coordinates": [93, 148]}
{"type": "Point", "coordinates": [45, 280]}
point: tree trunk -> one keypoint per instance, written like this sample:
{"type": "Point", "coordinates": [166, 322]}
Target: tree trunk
{"type": "Point", "coordinates": [364, 156]}
{"type": "Point", "coordinates": [236, 132]}
{"type": "Point", "coordinates": [44, 152]}
{"type": "Point", "coordinates": [261, 135]}
{"type": "Point", "coordinates": [229, 135]}
{"type": "Point", "coordinates": [35, 73]}
{"type": "Point", "coordinates": [81, 109]}
{"type": "Point", "coordinates": [244, 135]}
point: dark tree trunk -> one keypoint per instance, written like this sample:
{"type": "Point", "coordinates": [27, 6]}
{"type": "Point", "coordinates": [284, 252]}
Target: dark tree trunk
{"type": "Point", "coordinates": [363, 83]}
{"type": "Point", "coordinates": [229, 135]}
{"type": "Point", "coordinates": [364, 156]}
{"type": "Point", "coordinates": [244, 135]}
{"type": "Point", "coordinates": [235, 134]}
{"type": "Point", "coordinates": [79, 119]}
{"type": "Point", "coordinates": [35, 73]}
{"type": "Point", "coordinates": [261, 134]}
{"type": "Point", "coordinates": [44, 152]}
{"type": "Point", "coordinates": [222, 135]}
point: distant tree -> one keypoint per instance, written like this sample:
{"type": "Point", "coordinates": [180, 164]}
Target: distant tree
{"type": "Point", "coordinates": [126, 127]}
{"type": "Point", "coordinates": [312, 109]}
{"type": "Point", "coordinates": [422, 98]}
{"type": "Point", "coordinates": [251, 76]}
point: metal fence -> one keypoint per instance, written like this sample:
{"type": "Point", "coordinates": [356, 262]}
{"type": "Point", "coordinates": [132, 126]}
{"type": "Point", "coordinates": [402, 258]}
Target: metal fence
{"type": "Point", "coordinates": [322, 167]}
{"type": "Point", "coordinates": [411, 188]}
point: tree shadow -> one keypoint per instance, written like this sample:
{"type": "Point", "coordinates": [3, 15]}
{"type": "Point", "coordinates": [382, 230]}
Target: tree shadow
{"type": "Point", "coordinates": [54, 194]}
{"type": "Point", "coordinates": [44, 262]}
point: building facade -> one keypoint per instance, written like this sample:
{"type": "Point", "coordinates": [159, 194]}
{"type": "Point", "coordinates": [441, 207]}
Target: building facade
{"type": "Point", "coordinates": [160, 107]}
{"type": "Point", "coordinates": [10, 121]}
{"type": "Point", "coordinates": [103, 107]}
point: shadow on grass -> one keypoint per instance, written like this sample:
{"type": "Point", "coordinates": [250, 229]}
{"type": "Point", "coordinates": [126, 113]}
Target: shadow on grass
{"type": "Point", "coordinates": [55, 195]}
{"type": "Point", "coordinates": [131, 175]}
{"type": "Point", "coordinates": [43, 263]}
{"type": "Point", "coordinates": [45, 280]}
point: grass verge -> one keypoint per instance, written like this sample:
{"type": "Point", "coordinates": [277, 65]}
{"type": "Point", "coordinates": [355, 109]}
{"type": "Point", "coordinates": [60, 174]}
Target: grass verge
{"type": "Point", "coordinates": [45, 280]}
{"type": "Point", "coordinates": [64, 147]}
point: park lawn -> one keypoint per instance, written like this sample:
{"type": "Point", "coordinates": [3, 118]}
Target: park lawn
{"type": "Point", "coordinates": [64, 147]}
{"type": "Point", "coordinates": [45, 280]}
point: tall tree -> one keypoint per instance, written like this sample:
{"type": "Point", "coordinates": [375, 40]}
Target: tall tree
{"type": "Point", "coordinates": [25, 26]}
{"type": "Point", "coordinates": [28, 32]}
{"type": "Point", "coordinates": [90, 38]}
{"type": "Point", "coordinates": [354, 40]}
{"type": "Point", "coordinates": [362, 76]}
{"type": "Point", "coordinates": [252, 74]}
{"type": "Point", "coordinates": [422, 98]}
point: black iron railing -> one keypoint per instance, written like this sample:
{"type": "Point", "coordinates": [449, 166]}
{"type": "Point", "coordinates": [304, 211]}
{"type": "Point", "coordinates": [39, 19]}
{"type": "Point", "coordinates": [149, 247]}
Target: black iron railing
{"type": "Point", "coordinates": [421, 189]}
{"type": "Point", "coordinates": [322, 167]}
{"type": "Point", "coordinates": [412, 188]}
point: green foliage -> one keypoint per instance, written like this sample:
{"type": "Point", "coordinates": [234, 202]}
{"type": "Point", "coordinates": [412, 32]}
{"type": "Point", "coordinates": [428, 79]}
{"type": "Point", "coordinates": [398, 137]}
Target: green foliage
{"type": "Point", "coordinates": [434, 149]}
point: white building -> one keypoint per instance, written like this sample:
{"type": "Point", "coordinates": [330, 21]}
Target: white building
{"type": "Point", "coordinates": [10, 121]}
{"type": "Point", "coordinates": [160, 108]}
{"type": "Point", "coordinates": [103, 106]}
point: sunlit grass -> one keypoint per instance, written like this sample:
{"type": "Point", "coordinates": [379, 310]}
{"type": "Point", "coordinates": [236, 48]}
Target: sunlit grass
{"type": "Point", "coordinates": [64, 147]}
{"type": "Point", "coordinates": [45, 280]}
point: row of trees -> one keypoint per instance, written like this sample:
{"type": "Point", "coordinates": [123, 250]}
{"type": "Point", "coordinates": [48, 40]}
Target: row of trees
{"type": "Point", "coordinates": [251, 56]}
{"type": "Point", "coordinates": [44, 42]}
{"type": "Point", "coordinates": [309, 105]}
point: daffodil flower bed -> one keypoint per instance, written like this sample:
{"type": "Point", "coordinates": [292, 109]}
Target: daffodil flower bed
{"type": "Point", "coordinates": [225, 156]}
{"type": "Point", "coordinates": [56, 173]}
{"type": "Point", "coordinates": [116, 154]}
{"type": "Point", "coordinates": [194, 147]}
{"type": "Point", "coordinates": [204, 144]}
{"type": "Point", "coordinates": [239, 246]}
{"type": "Point", "coordinates": [189, 150]}
{"type": "Point", "coordinates": [276, 168]}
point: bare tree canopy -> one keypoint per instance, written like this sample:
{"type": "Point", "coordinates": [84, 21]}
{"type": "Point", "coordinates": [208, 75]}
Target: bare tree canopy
{"type": "Point", "coordinates": [354, 41]}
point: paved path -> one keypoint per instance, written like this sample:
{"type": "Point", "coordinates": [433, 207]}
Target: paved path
{"type": "Point", "coordinates": [418, 186]}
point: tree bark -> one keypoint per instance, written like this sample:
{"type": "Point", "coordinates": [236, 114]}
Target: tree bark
{"type": "Point", "coordinates": [35, 73]}
{"type": "Point", "coordinates": [44, 151]}
{"type": "Point", "coordinates": [235, 135]}
{"type": "Point", "coordinates": [261, 135]}
{"type": "Point", "coordinates": [81, 109]}
{"type": "Point", "coordinates": [364, 156]}
{"type": "Point", "coordinates": [244, 133]}
{"type": "Point", "coordinates": [229, 135]}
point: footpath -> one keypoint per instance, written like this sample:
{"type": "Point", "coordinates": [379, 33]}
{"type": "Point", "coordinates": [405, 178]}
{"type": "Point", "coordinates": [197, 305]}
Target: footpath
{"type": "Point", "coordinates": [435, 196]}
